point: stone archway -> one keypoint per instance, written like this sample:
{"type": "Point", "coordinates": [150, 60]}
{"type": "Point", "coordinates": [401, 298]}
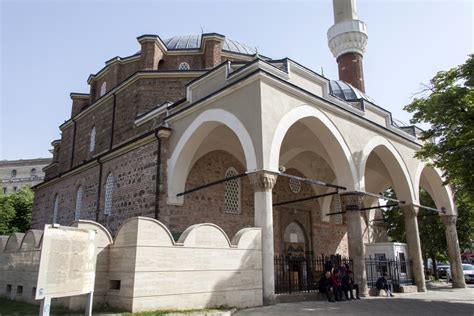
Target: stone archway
{"type": "Point", "coordinates": [189, 143]}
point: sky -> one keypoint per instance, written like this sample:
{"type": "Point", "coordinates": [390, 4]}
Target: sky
{"type": "Point", "coordinates": [49, 48]}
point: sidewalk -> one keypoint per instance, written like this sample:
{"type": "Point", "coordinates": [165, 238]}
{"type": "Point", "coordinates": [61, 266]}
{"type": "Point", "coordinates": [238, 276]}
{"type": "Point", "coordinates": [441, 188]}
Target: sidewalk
{"type": "Point", "coordinates": [440, 299]}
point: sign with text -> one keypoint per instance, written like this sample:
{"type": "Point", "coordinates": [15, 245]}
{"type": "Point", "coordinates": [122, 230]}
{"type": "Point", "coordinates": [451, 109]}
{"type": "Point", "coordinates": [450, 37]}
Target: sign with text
{"type": "Point", "coordinates": [67, 262]}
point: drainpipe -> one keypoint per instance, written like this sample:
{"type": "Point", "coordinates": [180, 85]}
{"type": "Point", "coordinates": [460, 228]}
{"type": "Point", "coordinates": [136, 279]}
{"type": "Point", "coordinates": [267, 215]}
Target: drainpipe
{"type": "Point", "coordinates": [158, 177]}
{"type": "Point", "coordinates": [73, 142]}
{"type": "Point", "coordinates": [99, 187]}
{"type": "Point", "coordinates": [161, 132]}
{"type": "Point", "coordinates": [113, 122]}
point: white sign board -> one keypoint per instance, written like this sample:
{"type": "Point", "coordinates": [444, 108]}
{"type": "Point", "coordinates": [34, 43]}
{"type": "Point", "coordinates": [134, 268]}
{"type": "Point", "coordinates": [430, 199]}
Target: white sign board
{"type": "Point", "coordinates": [67, 262]}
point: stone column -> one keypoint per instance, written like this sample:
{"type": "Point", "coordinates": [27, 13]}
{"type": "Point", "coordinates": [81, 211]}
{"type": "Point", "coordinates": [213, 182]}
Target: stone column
{"type": "Point", "coordinates": [454, 255]}
{"type": "Point", "coordinates": [263, 183]}
{"type": "Point", "coordinates": [410, 214]}
{"type": "Point", "coordinates": [352, 203]}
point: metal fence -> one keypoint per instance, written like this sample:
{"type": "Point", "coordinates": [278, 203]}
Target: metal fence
{"type": "Point", "coordinates": [301, 274]}
{"type": "Point", "coordinates": [399, 272]}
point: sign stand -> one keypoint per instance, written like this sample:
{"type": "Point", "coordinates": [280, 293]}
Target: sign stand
{"type": "Point", "coordinates": [45, 306]}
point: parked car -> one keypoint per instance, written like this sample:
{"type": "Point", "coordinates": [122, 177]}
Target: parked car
{"type": "Point", "coordinates": [443, 271]}
{"type": "Point", "coordinates": [468, 271]}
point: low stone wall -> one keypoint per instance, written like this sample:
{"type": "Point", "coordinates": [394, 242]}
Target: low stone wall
{"type": "Point", "coordinates": [19, 263]}
{"type": "Point", "coordinates": [145, 269]}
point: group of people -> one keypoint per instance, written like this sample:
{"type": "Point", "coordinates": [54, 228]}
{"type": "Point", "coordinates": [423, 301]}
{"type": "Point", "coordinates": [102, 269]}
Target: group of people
{"type": "Point", "coordinates": [335, 282]}
{"type": "Point", "coordinates": [338, 284]}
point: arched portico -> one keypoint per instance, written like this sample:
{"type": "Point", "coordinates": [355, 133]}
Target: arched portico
{"type": "Point", "coordinates": [189, 143]}
{"type": "Point", "coordinates": [431, 180]}
{"type": "Point", "coordinates": [394, 165]}
{"type": "Point", "coordinates": [327, 134]}
{"type": "Point", "coordinates": [382, 167]}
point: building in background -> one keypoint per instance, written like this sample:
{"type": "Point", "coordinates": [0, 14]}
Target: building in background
{"type": "Point", "coordinates": [16, 174]}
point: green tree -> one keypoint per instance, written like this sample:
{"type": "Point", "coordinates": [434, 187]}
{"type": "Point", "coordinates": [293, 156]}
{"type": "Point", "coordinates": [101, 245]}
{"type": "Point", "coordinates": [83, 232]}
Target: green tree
{"type": "Point", "coordinates": [447, 105]}
{"type": "Point", "coordinates": [7, 214]}
{"type": "Point", "coordinates": [15, 211]}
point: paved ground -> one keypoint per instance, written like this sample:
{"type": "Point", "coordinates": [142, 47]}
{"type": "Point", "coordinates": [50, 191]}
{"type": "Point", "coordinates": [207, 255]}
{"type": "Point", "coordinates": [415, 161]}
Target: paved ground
{"type": "Point", "coordinates": [439, 300]}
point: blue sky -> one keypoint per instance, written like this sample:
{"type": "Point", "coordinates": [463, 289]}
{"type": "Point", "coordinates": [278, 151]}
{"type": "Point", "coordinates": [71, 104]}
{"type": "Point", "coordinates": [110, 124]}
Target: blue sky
{"type": "Point", "coordinates": [49, 48]}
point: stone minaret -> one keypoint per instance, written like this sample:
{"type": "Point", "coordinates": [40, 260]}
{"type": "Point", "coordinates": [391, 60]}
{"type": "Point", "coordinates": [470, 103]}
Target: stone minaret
{"type": "Point", "coordinates": [347, 39]}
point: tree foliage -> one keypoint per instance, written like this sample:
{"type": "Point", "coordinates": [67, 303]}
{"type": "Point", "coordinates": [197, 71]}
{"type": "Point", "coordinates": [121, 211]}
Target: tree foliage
{"type": "Point", "coordinates": [15, 211]}
{"type": "Point", "coordinates": [430, 227]}
{"type": "Point", "coordinates": [447, 104]}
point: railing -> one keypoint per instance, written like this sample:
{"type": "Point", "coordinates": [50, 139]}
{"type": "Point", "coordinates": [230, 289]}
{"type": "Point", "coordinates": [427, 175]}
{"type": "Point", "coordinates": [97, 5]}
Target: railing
{"type": "Point", "coordinates": [399, 272]}
{"type": "Point", "coordinates": [301, 274]}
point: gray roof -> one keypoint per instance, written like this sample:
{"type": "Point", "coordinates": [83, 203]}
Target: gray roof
{"type": "Point", "coordinates": [347, 92]}
{"type": "Point", "coordinates": [194, 42]}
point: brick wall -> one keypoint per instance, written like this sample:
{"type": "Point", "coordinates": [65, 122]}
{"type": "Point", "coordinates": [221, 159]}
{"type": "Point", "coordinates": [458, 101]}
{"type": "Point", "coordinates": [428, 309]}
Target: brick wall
{"type": "Point", "coordinates": [208, 205]}
{"type": "Point", "coordinates": [134, 195]}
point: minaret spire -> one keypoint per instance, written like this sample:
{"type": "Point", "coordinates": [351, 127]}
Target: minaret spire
{"type": "Point", "coordinates": [347, 39]}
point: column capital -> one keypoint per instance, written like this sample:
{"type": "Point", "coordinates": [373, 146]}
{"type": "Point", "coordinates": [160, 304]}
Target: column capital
{"type": "Point", "coordinates": [351, 201]}
{"type": "Point", "coordinates": [409, 210]}
{"type": "Point", "coordinates": [449, 220]}
{"type": "Point", "coordinates": [263, 180]}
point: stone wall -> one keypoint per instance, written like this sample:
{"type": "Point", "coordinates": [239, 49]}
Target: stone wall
{"type": "Point", "coordinates": [145, 269]}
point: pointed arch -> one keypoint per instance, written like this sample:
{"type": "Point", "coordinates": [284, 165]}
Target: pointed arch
{"type": "Point", "coordinates": [180, 161]}
{"type": "Point", "coordinates": [431, 179]}
{"type": "Point", "coordinates": [394, 164]}
{"type": "Point", "coordinates": [332, 140]}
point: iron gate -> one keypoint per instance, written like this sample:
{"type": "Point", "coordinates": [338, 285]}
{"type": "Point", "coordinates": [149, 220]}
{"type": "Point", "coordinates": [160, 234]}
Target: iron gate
{"type": "Point", "coordinates": [301, 274]}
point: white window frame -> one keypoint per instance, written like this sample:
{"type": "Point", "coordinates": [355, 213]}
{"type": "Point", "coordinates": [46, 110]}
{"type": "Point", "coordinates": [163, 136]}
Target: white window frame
{"type": "Point", "coordinates": [93, 136]}
{"type": "Point", "coordinates": [78, 209]}
{"type": "Point", "coordinates": [103, 88]}
{"type": "Point", "coordinates": [109, 191]}
{"type": "Point", "coordinates": [228, 206]}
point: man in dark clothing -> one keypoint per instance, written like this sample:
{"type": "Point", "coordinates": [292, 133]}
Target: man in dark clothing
{"type": "Point", "coordinates": [348, 286]}
{"type": "Point", "coordinates": [336, 284]}
{"type": "Point", "coordinates": [382, 284]}
{"type": "Point", "coordinates": [326, 287]}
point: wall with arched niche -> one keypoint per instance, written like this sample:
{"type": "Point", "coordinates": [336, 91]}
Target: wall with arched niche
{"type": "Point", "coordinates": [208, 205]}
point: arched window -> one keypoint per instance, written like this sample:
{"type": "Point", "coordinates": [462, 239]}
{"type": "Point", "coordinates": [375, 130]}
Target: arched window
{"type": "Point", "coordinates": [55, 208]}
{"type": "Point", "coordinates": [77, 213]}
{"type": "Point", "coordinates": [232, 193]}
{"type": "Point", "coordinates": [92, 140]}
{"type": "Point", "coordinates": [103, 88]}
{"type": "Point", "coordinates": [184, 66]}
{"type": "Point", "coordinates": [109, 188]}
{"type": "Point", "coordinates": [14, 173]}
{"type": "Point", "coordinates": [33, 173]}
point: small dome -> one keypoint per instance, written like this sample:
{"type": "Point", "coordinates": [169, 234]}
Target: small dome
{"type": "Point", "coordinates": [194, 42]}
{"type": "Point", "coordinates": [347, 92]}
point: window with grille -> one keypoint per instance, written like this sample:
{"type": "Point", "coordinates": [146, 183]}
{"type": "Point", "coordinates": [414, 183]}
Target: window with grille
{"type": "Point", "coordinates": [92, 140]}
{"type": "Point", "coordinates": [55, 209]}
{"type": "Point", "coordinates": [184, 66]}
{"type": "Point", "coordinates": [13, 173]}
{"type": "Point", "coordinates": [109, 188]}
{"type": "Point", "coordinates": [103, 88]}
{"type": "Point", "coordinates": [232, 193]}
{"type": "Point", "coordinates": [77, 213]}
{"type": "Point", "coordinates": [295, 185]}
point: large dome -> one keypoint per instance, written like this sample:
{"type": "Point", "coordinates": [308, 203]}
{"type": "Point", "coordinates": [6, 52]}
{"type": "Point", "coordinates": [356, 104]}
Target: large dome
{"type": "Point", "coordinates": [347, 92]}
{"type": "Point", "coordinates": [194, 42]}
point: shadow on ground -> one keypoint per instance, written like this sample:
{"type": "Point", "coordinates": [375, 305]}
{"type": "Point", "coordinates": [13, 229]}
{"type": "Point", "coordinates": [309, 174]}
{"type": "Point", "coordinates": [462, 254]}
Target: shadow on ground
{"type": "Point", "coordinates": [374, 306]}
